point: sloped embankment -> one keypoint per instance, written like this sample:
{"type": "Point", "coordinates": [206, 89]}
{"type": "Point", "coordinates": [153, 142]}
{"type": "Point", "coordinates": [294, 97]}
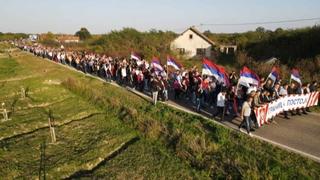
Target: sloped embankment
{"type": "Point", "coordinates": [205, 146]}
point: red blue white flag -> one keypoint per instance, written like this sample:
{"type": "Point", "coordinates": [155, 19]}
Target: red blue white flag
{"type": "Point", "coordinates": [295, 75]}
{"type": "Point", "coordinates": [274, 75]}
{"type": "Point", "coordinates": [212, 69]}
{"type": "Point", "coordinates": [135, 56]}
{"type": "Point", "coordinates": [156, 65]}
{"type": "Point", "coordinates": [173, 63]}
{"type": "Point", "coordinates": [248, 77]}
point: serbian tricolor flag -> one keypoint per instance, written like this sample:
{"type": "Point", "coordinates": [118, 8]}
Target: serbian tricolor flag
{"type": "Point", "coordinates": [212, 69]}
{"type": "Point", "coordinates": [295, 75]}
{"type": "Point", "coordinates": [248, 77]}
{"type": "Point", "coordinates": [274, 75]}
{"type": "Point", "coordinates": [135, 56]}
{"type": "Point", "coordinates": [156, 65]}
{"type": "Point", "coordinates": [173, 63]}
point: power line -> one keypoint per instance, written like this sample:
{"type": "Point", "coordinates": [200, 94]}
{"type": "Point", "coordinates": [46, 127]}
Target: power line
{"type": "Point", "coordinates": [260, 23]}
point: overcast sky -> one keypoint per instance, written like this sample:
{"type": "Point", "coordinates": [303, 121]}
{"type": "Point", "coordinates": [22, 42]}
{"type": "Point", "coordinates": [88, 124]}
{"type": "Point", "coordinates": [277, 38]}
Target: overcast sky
{"type": "Point", "coordinates": [101, 16]}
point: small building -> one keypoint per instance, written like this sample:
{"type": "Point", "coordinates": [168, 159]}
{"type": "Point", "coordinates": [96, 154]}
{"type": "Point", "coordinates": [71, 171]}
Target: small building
{"type": "Point", "coordinates": [192, 43]}
{"type": "Point", "coordinates": [228, 49]}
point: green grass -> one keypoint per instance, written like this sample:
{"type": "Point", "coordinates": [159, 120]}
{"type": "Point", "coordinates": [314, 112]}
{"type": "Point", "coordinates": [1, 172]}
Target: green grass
{"type": "Point", "coordinates": [78, 147]}
{"type": "Point", "coordinates": [173, 143]}
{"type": "Point", "coordinates": [31, 112]}
{"type": "Point", "coordinates": [143, 160]}
{"type": "Point", "coordinates": [87, 134]}
{"type": "Point", "coordinates": [315, 109]}
{"type": "Point", "coordinates": [8, 68]}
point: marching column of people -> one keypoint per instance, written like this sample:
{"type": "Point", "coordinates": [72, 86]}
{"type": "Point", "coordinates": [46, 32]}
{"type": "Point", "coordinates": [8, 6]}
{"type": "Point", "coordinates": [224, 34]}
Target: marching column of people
{"type": "Point", "coordinates": [185, 85]}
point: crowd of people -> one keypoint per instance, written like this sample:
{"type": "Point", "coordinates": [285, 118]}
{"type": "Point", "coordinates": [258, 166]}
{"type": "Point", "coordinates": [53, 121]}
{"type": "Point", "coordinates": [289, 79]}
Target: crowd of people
{"type": "Point", "coordinates": [185, 85]}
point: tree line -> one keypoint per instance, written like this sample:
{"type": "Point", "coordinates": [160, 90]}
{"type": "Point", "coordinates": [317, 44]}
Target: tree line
{"type": "Point", "coordinates": [293, 47]}
{"type": "Point", "coordinates": [12, 36]}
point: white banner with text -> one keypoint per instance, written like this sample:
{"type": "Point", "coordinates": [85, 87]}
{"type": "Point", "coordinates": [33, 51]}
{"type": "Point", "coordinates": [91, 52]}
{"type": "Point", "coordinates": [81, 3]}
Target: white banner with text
{"type": "Point", "coordinates": [291, 102]}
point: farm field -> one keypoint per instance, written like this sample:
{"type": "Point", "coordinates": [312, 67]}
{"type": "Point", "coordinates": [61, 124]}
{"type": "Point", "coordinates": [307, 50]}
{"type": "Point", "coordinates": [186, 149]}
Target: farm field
{"type": "Point", "coordinates": [86, 134]}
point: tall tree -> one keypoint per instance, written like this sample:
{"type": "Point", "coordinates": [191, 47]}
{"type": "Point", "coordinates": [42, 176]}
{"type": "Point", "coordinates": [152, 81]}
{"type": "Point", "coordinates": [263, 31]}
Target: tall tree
{"type": "Point", "coordinates": [50, 36]}
{"type": "Point", "coordinates": [83, 34]}
{"type": "Point", "coordinates": [260, 29]}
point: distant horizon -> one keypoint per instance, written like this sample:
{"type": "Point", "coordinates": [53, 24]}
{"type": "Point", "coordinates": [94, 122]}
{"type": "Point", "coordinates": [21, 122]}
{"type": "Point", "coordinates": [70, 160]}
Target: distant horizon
{"type": "Point", "coordinates": [101, 17]}
{"type": "Point", "coordinates": [62, 33]}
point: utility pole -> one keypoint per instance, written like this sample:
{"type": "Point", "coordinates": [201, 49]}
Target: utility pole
{"type": "Point", "coordinates": [52, 131]}
{"type": "Point", "coordinates": [42, 168]}
{"type": "Point", "coordinates": [4, 112]}
{"type": "Point", "coordinates": [51, 127]}
{"type": "Point", "coordinates": [23, 93]}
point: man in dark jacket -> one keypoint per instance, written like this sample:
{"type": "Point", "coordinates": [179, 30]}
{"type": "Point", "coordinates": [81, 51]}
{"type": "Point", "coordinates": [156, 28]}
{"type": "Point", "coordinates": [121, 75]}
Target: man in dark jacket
{"type": "Point", "coordinates": [155, 88]}
{"type": "Point", "coordinates": [293, 90]}
{"type": "Point", "coordinates": [313, 87]}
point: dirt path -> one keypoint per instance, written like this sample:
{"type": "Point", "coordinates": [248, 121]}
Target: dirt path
{"type": "Point", "coordinates": [18, 78]}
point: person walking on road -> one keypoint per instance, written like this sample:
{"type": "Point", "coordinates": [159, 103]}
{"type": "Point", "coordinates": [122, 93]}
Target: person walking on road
{"type": "Point", "coordinates": [155, 88]}
{"type": "Point", "coordinates": [220, 104]}
{"type": "Point", "coordinates": [199, 96]}
{"type": "Point", "coordinates": [245, 115]}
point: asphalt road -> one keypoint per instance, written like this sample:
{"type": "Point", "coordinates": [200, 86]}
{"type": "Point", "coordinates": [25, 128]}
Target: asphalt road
{"type": "Point", "coordinates": [300, 134]}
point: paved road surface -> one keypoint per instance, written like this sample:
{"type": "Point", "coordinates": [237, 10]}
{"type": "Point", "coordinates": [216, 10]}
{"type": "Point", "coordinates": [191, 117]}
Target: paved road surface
{"type": "Point", "coordinates": [300, 134]}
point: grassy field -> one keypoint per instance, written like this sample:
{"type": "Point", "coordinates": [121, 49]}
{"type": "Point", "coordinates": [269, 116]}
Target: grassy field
{"type": "Point", "coordinates": [105, 131]}
{"type": "Point", "coordinates": [87, 135]}
{"type": "Point", "coordinates": [141, 161]}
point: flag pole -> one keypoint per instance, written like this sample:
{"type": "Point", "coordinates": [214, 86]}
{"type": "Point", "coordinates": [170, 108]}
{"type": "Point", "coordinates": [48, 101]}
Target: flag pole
{"type": "Point", "coordinates": [167, 69]}
{"type": "Point", "coordinates": [236, 95]}
{"type": "Point", "coordinates": [290, 79]}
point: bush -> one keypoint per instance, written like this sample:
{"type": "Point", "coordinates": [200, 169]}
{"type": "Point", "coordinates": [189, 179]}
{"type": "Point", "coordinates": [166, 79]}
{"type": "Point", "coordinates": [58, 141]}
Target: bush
{"type": "Point", "coordinates": [122, 43]}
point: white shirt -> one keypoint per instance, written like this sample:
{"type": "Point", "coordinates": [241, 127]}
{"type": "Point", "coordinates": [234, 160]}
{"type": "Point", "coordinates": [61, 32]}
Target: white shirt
{"type": "Point", "coordinates": [123, 72]}
{"type": "Point", "coordinates": [220, 100]}
{"type": "Point", "coordinates": [246, 109]}
{"type": "Point", "coordinates": [58, 56]}
{"type": "Point", "coordinates": [283, 91]}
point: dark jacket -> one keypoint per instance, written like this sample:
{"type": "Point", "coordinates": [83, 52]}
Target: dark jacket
{"type": "Point", "coordinates": [155, 85]}
{"type": "Point", "coordinates": [291, 91]}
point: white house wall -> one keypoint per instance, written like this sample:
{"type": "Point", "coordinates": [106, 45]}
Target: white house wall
{"type": "Point", "coordinates": [191, 45]}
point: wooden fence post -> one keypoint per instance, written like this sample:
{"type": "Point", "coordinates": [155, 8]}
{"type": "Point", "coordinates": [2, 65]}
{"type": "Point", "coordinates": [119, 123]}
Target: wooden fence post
{"type": "Point", "coordinates": [52, 131]}
{"type": "Point", "coordinates": [23, 93]}
{"type": "Point", "coordinates": [4, 112]}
